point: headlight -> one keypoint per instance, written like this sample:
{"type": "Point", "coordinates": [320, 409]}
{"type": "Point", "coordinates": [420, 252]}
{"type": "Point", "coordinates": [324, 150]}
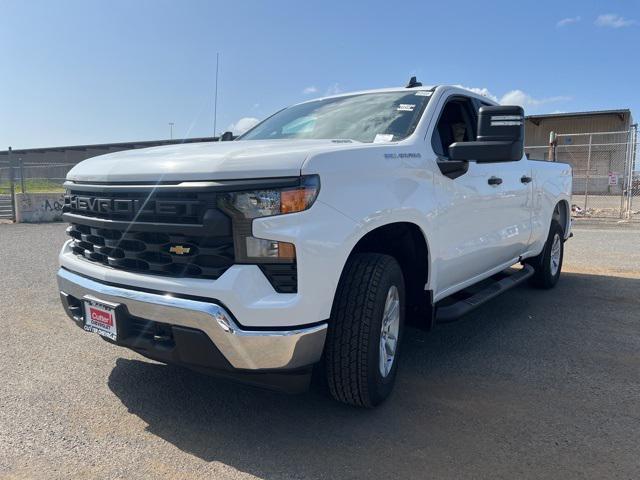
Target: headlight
{"type": "Point", "coordinates": [246, 206]}
{"type": "Point", "coordinates": [264, 203]}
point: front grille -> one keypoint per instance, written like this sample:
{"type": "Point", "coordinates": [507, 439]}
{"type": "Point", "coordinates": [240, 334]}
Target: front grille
{"type": "Point", "coordinates": [161, 253]}
{"type": "Point", "coordinates": [156, 231]}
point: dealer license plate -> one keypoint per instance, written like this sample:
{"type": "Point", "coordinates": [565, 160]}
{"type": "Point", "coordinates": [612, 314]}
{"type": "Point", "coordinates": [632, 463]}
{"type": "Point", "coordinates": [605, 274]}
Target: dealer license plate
{"type": "Point", "coordinates": [100, 318]}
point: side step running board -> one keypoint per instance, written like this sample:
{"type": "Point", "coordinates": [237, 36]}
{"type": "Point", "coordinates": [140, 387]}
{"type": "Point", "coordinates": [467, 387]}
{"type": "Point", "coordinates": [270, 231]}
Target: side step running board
{"type": "Point", "coordinates": [449, 313]}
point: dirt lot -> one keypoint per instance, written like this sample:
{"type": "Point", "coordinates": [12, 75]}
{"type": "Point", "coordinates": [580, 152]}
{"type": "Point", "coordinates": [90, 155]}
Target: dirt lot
{"type": "Point", "coordinates": [534, 385]}
{"type": "Point", "coordinates": [605, 206]}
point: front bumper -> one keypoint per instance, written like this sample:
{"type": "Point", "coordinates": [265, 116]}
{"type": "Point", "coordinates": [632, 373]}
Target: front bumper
{"type": "Point", "coordinates": [241, 349]}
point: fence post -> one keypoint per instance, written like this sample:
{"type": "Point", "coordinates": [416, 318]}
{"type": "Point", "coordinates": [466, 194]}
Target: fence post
{"type": "Point", "coordinates": [632, 165]}
{"type": "Point", "coordinates": [627, 182]}
{"type": "Point", "coordinates": [11, 186]}
{"type": "Point", "coordinates": [586, 180]}
{"type": "Point", "coordinates": [552, 146]}
{"type": "Point", "coordinates": [21, 165]}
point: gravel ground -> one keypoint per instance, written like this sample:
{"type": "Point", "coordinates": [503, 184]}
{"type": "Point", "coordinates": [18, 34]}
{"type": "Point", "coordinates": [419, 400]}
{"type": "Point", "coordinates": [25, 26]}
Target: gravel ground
{"type": "Point", "coordinates": [533, 385]}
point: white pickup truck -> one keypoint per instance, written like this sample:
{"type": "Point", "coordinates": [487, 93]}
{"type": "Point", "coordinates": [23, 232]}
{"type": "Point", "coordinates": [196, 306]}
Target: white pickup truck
{"type": "Point", "coordinates": [307, 243]}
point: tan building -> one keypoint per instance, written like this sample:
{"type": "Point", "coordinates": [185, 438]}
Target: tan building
{"type": "Point", "coordinates": [538, 127]}
{"type": "Point", "coordinates": [599, 145]}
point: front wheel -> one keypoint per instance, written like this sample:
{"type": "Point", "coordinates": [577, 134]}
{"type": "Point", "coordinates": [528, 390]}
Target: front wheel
{"type": "Point", "coordinates": [365, 330]}
{"type": "Point", "coordinates": [548, 264]}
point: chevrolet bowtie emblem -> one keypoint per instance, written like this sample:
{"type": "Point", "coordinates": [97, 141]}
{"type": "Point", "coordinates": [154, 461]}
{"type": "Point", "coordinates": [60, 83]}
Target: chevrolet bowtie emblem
{"type": "Point", "coordinates": [179, 249]}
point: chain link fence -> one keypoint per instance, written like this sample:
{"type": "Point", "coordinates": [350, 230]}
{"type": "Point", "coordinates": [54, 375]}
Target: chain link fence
{"type": "Point", "coordinates": [605, 181]}
{"type": "Point", "coordinates": [42, 176]}
{"type": "Point", "coordinates": [17, 175]}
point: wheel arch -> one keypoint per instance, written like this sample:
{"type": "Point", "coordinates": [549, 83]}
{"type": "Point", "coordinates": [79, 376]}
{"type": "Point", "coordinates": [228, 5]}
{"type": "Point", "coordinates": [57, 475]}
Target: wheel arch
{"type": "Point", "coordinates": [408, 244]}
{"type": "Point", "coordinates": [562, 213]}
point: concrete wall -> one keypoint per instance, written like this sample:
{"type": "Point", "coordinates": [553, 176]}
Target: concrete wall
{"type": "Point", "coordinates": [39, 207]}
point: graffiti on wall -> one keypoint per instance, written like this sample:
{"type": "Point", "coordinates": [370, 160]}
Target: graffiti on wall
{"type": "Point", "coordinates": [53, 206]}
{"type": "Point", "coordinates": [39, 207]}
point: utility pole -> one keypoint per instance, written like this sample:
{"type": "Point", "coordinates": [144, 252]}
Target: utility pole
{"type": "Point", "coordinates": [171, 130]}
{"type": "Point", "coordinates": [215, 99]}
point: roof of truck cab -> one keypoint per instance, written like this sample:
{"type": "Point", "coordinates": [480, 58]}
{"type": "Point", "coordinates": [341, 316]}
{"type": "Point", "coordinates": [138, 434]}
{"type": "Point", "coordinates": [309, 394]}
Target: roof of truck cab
{"type": "Point", "coordinates": [401, 89]}
{"type": "Point", "coordinates": [376, 90]}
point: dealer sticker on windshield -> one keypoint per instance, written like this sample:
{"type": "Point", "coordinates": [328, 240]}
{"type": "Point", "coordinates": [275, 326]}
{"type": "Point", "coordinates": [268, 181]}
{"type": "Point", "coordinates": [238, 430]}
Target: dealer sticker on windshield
{"type": "Point", "coordinates": [406, 107]}
{"type": "Point", "coordinates": [100, 318]}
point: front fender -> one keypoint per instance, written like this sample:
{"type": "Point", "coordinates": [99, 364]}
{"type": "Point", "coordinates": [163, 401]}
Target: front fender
{"type": "Point", "coordinates": [324, 238]}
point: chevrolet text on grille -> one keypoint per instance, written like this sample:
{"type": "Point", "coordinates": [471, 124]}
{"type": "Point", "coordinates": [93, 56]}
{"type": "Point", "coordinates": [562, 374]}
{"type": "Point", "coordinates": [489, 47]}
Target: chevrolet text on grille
{"type": "Point", "coordinates": [126, 205]}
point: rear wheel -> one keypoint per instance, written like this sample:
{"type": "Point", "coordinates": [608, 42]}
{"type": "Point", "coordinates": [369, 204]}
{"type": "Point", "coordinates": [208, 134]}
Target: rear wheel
{"type": "Point", "coordinates": [548, 264]}
{"type": "Point", "coordinates": [365, 330]}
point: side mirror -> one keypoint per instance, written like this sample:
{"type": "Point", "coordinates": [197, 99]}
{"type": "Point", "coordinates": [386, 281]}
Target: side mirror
{"type": "Point", "coordinates": [226, 137]}
{"type": "Point", "coordinates": [500, 137]}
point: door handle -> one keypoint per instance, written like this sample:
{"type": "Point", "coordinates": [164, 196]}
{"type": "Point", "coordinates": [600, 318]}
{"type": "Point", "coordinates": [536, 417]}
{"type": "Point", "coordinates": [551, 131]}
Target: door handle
{"type": "Point", "coordinates": [525, 179]}
{"type": "Point", "coordinates": [494, 181]}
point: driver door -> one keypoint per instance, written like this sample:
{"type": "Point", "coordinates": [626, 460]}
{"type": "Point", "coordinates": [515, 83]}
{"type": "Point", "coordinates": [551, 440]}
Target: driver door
{"type": "Point", "coordinates": [470, 219]}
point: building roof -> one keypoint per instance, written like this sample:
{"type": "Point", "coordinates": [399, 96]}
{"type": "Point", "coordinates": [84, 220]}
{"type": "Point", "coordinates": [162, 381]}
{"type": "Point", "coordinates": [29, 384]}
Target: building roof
{"type": "Point", "coordinates": [620, 112]}
{"type": "Point", "coordinates": [104, 146]}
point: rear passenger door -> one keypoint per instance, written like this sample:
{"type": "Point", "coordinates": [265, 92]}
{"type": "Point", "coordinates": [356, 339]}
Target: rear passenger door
{"type": "Point", "coordinates": [470, 221]}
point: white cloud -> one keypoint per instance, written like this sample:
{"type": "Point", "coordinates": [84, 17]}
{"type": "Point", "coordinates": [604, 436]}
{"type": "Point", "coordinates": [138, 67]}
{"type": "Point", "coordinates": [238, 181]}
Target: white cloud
{"type": "Point", "coordinates": [568, 21]}
{"type": "Point", "coordinates": [334, 89]}
{"type": "Point", "coordinates": [242, 125]}
{"type": "Point", "coordinates": [613, 20]}
{"type": "Point", "coordinates": [480, 91]}
{"type": "Point", "coordinates": [518, 97]}
{"type": "Point", "coordinates": [309, 90]}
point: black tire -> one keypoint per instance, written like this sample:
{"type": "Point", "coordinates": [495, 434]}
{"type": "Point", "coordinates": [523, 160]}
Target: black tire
{"type": "Point", "coordinates": [545, 276]}
{"type": "Point", "coordinates": [352, 351]}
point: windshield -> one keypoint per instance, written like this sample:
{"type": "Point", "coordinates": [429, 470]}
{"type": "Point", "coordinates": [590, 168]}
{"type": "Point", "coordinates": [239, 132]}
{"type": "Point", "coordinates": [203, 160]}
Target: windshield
{"type": "Point", "coordinates": [369, 117]}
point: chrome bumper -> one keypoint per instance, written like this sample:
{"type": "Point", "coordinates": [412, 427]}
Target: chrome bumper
{"type": "Point", "coordinates": [243, 349]}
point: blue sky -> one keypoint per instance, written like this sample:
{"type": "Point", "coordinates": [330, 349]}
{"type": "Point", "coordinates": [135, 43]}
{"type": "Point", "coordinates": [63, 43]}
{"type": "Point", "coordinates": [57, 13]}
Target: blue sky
{"type": "Point", "coordinates": [80, 72]}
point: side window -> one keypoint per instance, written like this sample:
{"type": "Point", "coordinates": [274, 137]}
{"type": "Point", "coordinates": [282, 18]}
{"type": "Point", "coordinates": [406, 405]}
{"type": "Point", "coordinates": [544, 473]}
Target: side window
{"type": "Point", "coordinates": [457, 123]}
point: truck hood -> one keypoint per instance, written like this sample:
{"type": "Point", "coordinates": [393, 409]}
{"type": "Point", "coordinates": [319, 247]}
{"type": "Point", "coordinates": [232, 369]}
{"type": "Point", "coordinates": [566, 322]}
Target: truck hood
{"type": "Point", "coordinates": [204, 161]}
